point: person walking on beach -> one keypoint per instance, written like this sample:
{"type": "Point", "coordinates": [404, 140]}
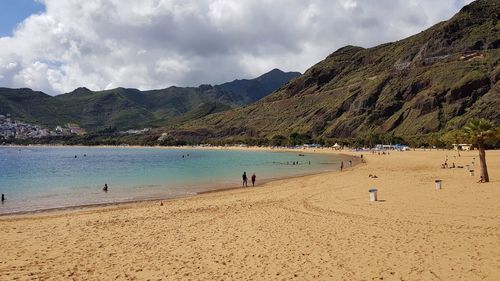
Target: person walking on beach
{"type": "Point", "coordinates": [245, 179]}
{"type": "Point", "coordinates": [341, 166]}
{"type": "Point", "coordinates": [254, 177]}
{"type": "Point", "coordinates": [3, 197]}
{"type": "Point", "coordinates": [350, 163]}
{"type": "Point", "coordinates": [105, 188]}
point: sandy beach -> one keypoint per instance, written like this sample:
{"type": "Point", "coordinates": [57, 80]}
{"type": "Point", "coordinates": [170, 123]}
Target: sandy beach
{"type": "Point", "coordinates": [317, 227]}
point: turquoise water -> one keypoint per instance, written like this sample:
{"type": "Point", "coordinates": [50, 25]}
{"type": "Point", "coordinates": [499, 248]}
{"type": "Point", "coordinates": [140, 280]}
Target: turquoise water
{"type": "Point", "coordinates": [37, 178]}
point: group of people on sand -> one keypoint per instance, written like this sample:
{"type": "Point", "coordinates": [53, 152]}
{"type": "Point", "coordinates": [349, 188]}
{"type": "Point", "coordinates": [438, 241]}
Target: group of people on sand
{"type": "Point", "coordinates": [342, 164]}
{"type": "Point", "coordinates": [245, 179]}
{"type": "Point", "coordinates": [452, 166]}
{"type": "Point", "coordinates": [381, 153]}
{"type": "Point", "coordinates": [446, 166]}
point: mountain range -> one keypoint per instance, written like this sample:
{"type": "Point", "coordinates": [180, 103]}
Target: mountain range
{"type": "Point", "coordinates": [121, 108]}
{"type": "Point", "coordinates": [430, 82]}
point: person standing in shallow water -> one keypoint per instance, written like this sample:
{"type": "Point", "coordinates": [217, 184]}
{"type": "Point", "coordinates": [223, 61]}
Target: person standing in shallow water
{"type": "Point", "coordinates": [254, 177]}
{"type": "Point", "coordinates": [3, 197]}
{"type": "Point", "coordinates": [105, 188]}
{"type": "Point", "coordinates": [245, 179]}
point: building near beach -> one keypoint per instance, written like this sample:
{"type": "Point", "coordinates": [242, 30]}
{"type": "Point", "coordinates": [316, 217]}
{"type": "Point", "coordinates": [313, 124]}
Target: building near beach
{"type": "Point", "coordinates": [463, 146]}
{"type": "Point", "coordinates": [398, 147]}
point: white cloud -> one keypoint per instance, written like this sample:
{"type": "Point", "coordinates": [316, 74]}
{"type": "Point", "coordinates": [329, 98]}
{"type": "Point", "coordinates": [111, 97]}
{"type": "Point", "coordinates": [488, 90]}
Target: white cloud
{"type": "Point", "coordinates": [158, 43]}
{"type": "Point", "coordinates": [10, 65]}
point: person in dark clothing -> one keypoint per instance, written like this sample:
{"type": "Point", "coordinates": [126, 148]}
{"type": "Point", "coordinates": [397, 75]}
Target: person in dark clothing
{"type": "Point", "coordinates": [254, 177]}
{"type": "Point", "coordinates": [341, 166]}
{"type": "Point", "coordinates": [3, 197]}
{"type": "Point", "coordinates": [245, 179]}
{"type": "Point", "coordinates": [105, 188]}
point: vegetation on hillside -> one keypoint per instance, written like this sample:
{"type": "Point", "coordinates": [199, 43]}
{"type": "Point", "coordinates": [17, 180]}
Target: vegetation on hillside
{"type": "Point", "coordinates": [120, 108]}
{"type": "Point", "coordinates": [426, 84]}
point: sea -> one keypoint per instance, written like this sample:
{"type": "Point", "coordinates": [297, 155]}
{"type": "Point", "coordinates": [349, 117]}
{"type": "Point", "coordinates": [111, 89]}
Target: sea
{"type": "Point", "coordinates": [43, 178]}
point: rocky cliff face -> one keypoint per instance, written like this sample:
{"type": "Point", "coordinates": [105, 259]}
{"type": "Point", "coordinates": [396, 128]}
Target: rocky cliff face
{"type": "Point", "coordinates": [432, 81]}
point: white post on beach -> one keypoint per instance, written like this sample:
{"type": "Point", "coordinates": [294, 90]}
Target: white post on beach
{"type": "Point", "coordinates": [438, 184]}
{"type": "Point", "coordinates": [373, 194]}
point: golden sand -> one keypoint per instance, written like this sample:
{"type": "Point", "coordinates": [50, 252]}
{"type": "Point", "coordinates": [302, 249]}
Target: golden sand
{"type": "Point", "coordinates": [319, 227]}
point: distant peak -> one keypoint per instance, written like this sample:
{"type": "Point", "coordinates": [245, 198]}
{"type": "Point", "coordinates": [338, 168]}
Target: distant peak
{"type": "Point", "coordinates": [277, 73]}
{"type": "Point", "coordinates": [123, 89]}
{"type": "Point", "coordinates": [205, 87]}
{"type": "Point", "coordinates": [276, 70]}
{"type": "Point", "coordinates": [81, 90]}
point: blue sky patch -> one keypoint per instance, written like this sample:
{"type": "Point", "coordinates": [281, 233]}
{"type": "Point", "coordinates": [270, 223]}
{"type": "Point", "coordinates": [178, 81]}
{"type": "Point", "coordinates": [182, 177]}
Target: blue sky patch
{"type": "Point", "coordinates": [13, 12]}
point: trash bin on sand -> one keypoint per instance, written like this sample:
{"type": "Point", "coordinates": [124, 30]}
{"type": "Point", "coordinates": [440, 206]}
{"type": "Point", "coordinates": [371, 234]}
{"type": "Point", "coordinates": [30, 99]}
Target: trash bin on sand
{"type": "Point", "coordinates": [438, 184]}
{"type": "Point", "coordinates": [373, 194]}
{"type": "Point", "coordinates": [471, 173]}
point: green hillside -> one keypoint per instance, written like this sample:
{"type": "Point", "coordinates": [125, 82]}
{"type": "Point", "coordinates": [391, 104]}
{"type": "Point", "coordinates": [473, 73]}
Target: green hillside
{"type": "Point", "coordinates": [28, 105]}
{"type": "Point", "coordinates": [120, 108]}
{"type": "Point", "coordinates": [429, 82]}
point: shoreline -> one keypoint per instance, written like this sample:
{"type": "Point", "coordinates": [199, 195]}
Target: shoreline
{"type": "Point", "coordinates": [210, 189]}
{"type": "Point", "coordinates": [105, 206]}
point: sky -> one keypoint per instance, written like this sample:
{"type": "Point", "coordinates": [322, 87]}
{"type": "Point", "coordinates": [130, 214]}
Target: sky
{"type": "Point", "coordinates": [56, 46]}
{"type": "Point", "coordinates": [13, 12]}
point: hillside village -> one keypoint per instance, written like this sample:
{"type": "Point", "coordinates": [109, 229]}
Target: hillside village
{"type": "Point", "coordinates": [10, 128]}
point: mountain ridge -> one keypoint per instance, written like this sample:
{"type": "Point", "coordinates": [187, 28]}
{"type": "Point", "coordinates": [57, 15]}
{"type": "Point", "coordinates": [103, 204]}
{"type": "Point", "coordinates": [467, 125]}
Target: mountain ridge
{"type": "Point", "coordinates": [429, 82]}
{"type": "Point", "coordinates": [126, 108]}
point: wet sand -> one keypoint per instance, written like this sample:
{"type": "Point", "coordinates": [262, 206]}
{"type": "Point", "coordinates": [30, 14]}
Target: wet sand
{"type": "Point", "coordinates": [317, 227]}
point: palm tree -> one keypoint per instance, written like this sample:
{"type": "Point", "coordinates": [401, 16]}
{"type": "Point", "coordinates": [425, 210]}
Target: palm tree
{"type": "Point", "coordinates": [479, 131]}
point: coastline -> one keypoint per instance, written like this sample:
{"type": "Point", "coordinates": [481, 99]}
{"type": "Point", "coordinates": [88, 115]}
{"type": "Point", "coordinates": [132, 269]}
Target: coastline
{"type": "Point", "coordinates": [312, 227]}
{"type": "Point", "coordinates": [210, 190]}
{"type": "Point", "coordinates": [133, 203]}
{"type": "Point", "coordinates": [213, 188]}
